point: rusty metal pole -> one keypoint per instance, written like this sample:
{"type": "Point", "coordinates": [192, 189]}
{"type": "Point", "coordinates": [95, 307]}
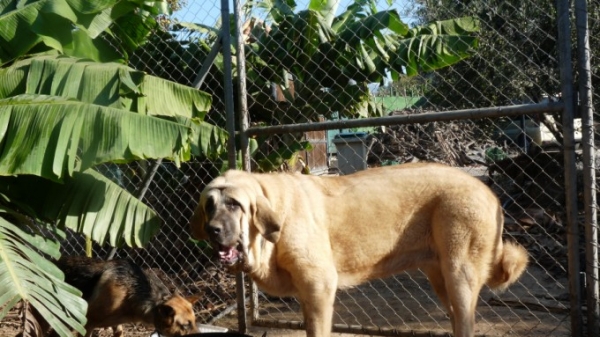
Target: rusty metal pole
{"type": "Point", "coordinates": [568, 97]}
{"type": "Point", "coordinates": [589, 168]}
{"type": "Point", "coordinates": [231, 146]}
{"type": "Point", "coordinates": [243, 120]}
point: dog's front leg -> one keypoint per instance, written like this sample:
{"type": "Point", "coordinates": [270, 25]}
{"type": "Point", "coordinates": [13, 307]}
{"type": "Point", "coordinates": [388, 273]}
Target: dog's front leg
{"type": "Point", "coordinates": [317, 299]}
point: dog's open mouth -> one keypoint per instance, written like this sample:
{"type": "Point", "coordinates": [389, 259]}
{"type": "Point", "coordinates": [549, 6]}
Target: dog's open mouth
{"type": "Point", "coordinates": [229, 255]}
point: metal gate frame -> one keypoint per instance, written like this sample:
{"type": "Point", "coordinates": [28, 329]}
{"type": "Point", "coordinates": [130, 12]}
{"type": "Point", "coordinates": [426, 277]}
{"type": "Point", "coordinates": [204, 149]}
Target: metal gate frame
{"type": "Point", "coordinates": [567, 106]}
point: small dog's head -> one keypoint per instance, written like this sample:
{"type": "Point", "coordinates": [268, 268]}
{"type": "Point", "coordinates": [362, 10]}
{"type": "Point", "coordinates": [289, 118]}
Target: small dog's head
{"type": "Point", "coordinates": [175, 317]}
{"type": "Point", "coordinates": [231, 213]}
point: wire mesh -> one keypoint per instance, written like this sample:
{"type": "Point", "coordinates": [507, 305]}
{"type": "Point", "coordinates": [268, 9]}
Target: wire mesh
{"type": "Point", "coordinates": [530, 189]}
{"type": "Point", "coordinates": [520, 157]}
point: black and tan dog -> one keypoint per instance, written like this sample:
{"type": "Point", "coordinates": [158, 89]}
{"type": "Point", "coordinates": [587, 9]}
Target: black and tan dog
{"type": "Point", "coordinates": [119, 291]}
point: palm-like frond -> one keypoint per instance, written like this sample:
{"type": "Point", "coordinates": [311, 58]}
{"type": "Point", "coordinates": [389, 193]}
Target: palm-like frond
{"type": "Point", "coordinates": [436, 45]}
{"type": "Point", "coordinates": [44, 136]}
{"type": "Point", "coordinates": [87, 203]}
{"type": "Point", "coordinates": [25, 274]}
{"type": "Point", "coordinates": [108, 84]}
{"type": "Point", "coordinates": [43, 25]}
{"type": "Point", "coordinates": [208, 140]}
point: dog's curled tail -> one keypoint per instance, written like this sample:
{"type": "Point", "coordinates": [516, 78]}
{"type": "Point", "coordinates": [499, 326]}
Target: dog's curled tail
{"type": "Point", "coordinates": [509, 266]}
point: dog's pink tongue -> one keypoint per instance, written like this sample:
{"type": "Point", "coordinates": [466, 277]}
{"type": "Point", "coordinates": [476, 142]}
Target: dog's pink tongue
{"type": "Point", "coordinates": [227, 253]}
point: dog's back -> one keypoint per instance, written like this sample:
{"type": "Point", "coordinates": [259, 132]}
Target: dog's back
{"type": "Point", "coordinates": [89, 275]}
{"type": "Point", "coordinates": [82, 273]}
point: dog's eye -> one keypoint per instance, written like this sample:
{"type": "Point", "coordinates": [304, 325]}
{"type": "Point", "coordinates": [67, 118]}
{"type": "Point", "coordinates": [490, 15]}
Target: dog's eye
{"type": "Point", "coordinates": [209, 206]}
{"type": "Point", "coordinates": [232, 205]}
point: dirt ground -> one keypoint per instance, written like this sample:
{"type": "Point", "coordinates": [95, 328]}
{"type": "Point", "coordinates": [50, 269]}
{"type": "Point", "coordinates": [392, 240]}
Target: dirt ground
{"type": "Point", "coordinates": [536, 306]}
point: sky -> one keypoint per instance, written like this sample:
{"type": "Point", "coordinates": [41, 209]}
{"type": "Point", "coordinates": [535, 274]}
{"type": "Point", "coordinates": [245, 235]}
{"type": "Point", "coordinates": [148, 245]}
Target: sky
{"type": "Point", "coordinates": [209, 11]}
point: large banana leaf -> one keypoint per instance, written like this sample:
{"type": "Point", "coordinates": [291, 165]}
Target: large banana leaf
{"type": "Point", "coordinates": [287, 154]}
{"type": "Point", "coordinates": [87, 203]}
{"type": "Point", "coordinates": [52, 137]}
{"type": "Point", "coordinates": [326, 8]}
{"type": "Point", "coordinates": [357, 31]}
{"type": "Point", "coordinates": [15, 42]}
{"type": "Point", "coordinates": [427, 53]}
{"type": "Point", "coordinates": [364, 46]}
{"type": "Point", "coordinates": [48, 24]}
{"type": "Point", "coordinates": [107, 84]}
{"type": "Point", "coordinates": [208, 140]}
{"type": "Point", "coordinates": [133, 30]}
{"type": "Point", "coordinates": [26, 275]}
{"type": "Point", "coordinates": [166, 98]}
{"type": "Point", "coordinates": [421, 49]}
{"type": "Point", "coordinates": [361, 45]}
{"type": "Point", "coordinates": [294, 41]}
{"type": "Point", "coordinates": [436, 45]}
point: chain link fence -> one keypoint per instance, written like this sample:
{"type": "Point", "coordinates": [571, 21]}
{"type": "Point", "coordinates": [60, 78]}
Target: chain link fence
{"type": "Point", "coordinates": [499, 114]}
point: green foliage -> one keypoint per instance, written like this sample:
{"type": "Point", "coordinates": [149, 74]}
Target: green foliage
{"type": "Point", "coordinates": [437, 45]}
{"type": "Point", "coordinates": [80, 136]}
{"type": "Point", "coordinates": [43, 26]}
{"type": "Point", "coordinates": [107, 84]}
{"type": "Point", "coordinates": [208, 141]}
{"type": "Point", "coordinates": [495, 154]}
{"type": "Point", "coordinates": [26, 274]}
{"type": "Point", "coordinates": [333, 61]}
{"type": "Point", "coordinates": [331, 58]}
{"type": "Point", "coordinates": [60, 117]}
{"type": "Point", "coordinates": [87, 203]}
{"type": "Point", "coordinates": [286, 155]}
{"type": "Point", "coordinates": [515, 61]}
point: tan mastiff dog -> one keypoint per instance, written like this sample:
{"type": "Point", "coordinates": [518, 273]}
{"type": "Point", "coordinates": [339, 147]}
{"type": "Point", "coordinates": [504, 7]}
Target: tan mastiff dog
{"type": "Point", "coordinates": [306, 236]}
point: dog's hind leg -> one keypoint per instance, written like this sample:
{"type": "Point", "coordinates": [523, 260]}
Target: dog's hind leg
{"type": "Point", "coordinates": [436, 279]}
{"type": "Point", "coordinates": [462, 285]}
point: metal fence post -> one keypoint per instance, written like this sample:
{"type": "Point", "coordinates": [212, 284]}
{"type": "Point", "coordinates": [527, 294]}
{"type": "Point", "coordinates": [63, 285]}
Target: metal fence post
{"type": "Point", "coordinates": [242, 100]}
{"type": "Point", "coordinates": [566, 79]}
{"type": "Point", "coordinates": [589, 167]}
{"type": "Point", "coordinates": [231, 147]}
{"type": "Point", "coordinates": [210, 60]}
{"type": "Point", "coordinates": [228, 82]}
{"type": "Point", "coordinates": [244, 145]}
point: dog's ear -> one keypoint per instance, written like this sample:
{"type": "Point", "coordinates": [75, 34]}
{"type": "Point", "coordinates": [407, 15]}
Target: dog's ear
{"type": "Point", "coordinates": [197, 223]}
{"type": "Point", "coordinates": [193, 299]}
{"type": "Point", "coordinates": [166, 312]}
{"type": "Point", "coordinates": [266, 220]}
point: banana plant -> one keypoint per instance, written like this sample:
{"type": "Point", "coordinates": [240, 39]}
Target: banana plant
{"type": "Point", "coordinates": [25, 273]}
{"type": "Point", "coordinates": [103, 31]}
{"type": "Point", "coordinates": [54, 133]}
{"type": "Point", "coordinates": [61, 117]}
{"type": "Point", "coordinates": [62, 114]}
{"type": "Point", "coordinates": [333, 58]}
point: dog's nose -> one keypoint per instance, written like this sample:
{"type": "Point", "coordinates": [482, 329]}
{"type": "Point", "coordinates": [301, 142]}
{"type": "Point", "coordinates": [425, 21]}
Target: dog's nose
{"type": "Point", "coordinates": [213, 230]}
